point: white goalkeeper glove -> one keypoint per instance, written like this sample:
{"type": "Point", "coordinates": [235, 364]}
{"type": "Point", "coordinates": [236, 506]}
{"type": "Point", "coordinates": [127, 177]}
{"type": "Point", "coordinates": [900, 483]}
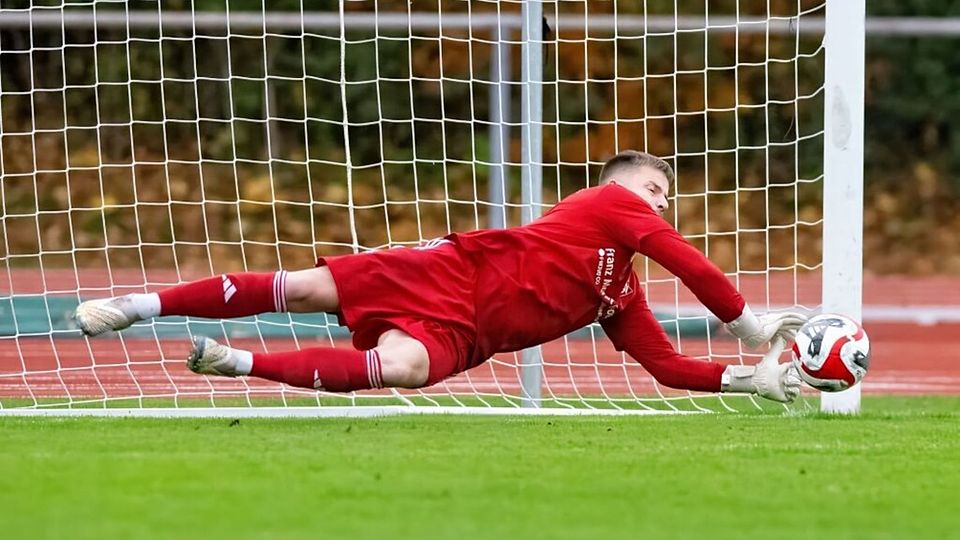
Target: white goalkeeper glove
{"type": "Point", "coordinates": [768, 379]}
{"type": "Point", "coordinates": [754, 331]}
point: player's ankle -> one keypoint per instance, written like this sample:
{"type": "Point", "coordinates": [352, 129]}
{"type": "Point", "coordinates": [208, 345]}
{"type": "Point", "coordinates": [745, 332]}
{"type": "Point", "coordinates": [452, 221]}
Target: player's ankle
{"type": "Point", "coordinates": [243, 361]}
{"type": "Point", "coordinates": [145, 306]}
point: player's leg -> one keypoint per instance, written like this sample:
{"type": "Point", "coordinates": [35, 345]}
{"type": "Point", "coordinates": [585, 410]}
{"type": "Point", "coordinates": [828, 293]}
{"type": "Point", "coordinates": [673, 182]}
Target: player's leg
{"type": "Point", "coordinates": [398, 360]}
{"type": "Point", "coordinates": [310, 291]}
{"type": "Point", "coordinates": [404, 359]}
{"type": "Point", "coordinates": [228, 295]}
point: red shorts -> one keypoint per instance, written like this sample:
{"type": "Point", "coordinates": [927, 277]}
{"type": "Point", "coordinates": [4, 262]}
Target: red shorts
{"type": "Point", "coordinates": [425, 292]}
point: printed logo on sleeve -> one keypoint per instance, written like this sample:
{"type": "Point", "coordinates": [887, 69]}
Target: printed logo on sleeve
{"type": "Point", "coordinates": [606, 262]}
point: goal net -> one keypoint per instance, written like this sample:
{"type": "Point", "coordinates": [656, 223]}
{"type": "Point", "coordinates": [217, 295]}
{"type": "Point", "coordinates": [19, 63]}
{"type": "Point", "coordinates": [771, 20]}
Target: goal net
{"type": "Point", "coordinates": [144, 146]}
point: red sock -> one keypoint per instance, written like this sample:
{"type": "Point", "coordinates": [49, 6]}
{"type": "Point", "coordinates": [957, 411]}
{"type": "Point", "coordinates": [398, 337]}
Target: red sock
{"type": "Point", "coordinates": [227, 295]}
{"type": "Point", "coordinates": [322, 368]}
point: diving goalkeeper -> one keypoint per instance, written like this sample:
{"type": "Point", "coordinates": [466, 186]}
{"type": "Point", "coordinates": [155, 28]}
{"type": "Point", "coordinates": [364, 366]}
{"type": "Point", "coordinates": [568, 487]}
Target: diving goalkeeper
{"type": "Point", "coordinates": [421, 315]}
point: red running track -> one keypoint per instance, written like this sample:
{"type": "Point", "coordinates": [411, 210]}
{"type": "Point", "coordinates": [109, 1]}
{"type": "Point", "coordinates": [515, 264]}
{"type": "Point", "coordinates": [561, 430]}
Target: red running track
{"type": "Point", "coordinates": [776, 288]}
{"type": "Point", "coordinates": [907, 359]}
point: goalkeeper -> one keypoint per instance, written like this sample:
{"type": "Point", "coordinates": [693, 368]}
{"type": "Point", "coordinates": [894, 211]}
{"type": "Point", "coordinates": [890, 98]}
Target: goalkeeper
{"type": "Point", "coordinates": [421, 315]}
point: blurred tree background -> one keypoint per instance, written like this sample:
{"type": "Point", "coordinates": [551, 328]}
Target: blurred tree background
{"type": "Point", "coordinates": [226, 147]}
{"type": "Point", "coordinates": [912, 160]}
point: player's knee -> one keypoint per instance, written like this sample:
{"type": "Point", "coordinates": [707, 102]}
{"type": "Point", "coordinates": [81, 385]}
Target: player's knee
{"type": "Point", "coordinates": [410, 374]}
{"type": "Point", "coordinates": [311, 290]}
{"type": "Point", "coordinates": [405, 366]}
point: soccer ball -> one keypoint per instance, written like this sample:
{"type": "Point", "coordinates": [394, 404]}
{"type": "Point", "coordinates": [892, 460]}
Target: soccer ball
{"type": "Point", "coordinates": [832, 352]}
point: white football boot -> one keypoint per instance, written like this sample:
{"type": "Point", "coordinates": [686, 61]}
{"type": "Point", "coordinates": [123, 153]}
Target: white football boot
{"type": "Point", "coordinates": [95, 317]}
{"type": "Point", "coordinates": [211, 358]}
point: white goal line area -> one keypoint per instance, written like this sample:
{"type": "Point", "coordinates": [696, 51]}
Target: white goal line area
{"type": "Point", "coordinates": [370, 411]}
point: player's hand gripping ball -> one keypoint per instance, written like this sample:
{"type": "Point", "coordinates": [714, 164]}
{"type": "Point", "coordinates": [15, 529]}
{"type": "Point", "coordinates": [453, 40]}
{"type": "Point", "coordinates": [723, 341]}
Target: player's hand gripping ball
{"type": "Point", "coordinates": [832, 352]}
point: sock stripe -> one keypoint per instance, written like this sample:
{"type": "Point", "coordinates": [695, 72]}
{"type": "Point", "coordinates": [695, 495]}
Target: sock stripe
{"type": "Point", "coordinates": [367, 358]}
{"type": "Point", "coordinates": [276, 301]}
{"type": "Point", "coordinates": [374, 369]}
{"type": "Point", "coordinates": [279, 291]}
{"type": "Point", "coordinates": [378, 367]}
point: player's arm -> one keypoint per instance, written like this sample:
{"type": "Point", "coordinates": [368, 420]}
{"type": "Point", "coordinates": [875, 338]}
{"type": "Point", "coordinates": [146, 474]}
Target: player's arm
{"type": "Point", "coordinates": [637, 332]}
{"type": "Point", "coordinates": [631, 221]}
{"type": "Point", "coordinates": [715, 291]}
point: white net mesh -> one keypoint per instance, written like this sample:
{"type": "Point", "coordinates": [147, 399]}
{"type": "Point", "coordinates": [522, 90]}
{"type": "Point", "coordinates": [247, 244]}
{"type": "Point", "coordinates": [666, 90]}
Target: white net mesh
{"type": "Point", "coordinates": [145, 145]}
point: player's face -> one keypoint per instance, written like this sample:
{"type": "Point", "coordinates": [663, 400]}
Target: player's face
{"type": "Point", "coordinates": [653, 187]}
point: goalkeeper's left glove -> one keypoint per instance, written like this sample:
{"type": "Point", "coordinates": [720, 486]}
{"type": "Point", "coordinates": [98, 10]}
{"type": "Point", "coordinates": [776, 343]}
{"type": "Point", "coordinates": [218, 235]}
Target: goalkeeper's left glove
{"type": "Point", "coordinates": [768, 379]}
{"type": "Point", "coordinates": [755, 331]}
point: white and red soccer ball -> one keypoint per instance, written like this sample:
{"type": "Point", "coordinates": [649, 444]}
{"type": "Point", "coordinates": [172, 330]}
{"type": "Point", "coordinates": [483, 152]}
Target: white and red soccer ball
{"type": "Point", "coordinates": [831, 352]}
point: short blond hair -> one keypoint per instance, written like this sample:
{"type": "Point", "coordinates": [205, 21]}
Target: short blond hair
{"type": "Point", "coordinates": [630, 159]}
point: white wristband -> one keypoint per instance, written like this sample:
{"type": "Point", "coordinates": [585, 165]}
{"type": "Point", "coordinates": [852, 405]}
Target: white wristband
{"type": "Point", "coordinates": [747, 324]}
{"type": "Point", "coordinates": [736, 378]}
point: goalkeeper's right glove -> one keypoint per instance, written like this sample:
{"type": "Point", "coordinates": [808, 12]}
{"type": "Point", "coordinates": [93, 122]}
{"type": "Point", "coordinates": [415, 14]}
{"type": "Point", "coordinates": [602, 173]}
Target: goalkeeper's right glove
{"type": "Point", "coordinates": [768, 379]}
{"type": "Point", "coordinates": [755, 331]}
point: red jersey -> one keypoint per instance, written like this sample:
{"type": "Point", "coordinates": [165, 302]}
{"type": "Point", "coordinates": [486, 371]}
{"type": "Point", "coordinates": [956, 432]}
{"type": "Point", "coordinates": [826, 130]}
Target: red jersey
{"type": "Point", "coordinates": [472, 295]}
{"type": "Point", "coordinates": [573, 266]}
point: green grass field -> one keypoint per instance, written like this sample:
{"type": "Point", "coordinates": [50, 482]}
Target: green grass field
{"type": "Point", "coordinates": [889, 473]}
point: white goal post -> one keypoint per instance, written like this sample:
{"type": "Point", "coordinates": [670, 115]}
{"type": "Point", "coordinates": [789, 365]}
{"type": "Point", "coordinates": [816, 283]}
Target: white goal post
{"type": "Point", "coordinates": [142, 147]}
{"type": "Point", "coordinates": [843, 175]}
